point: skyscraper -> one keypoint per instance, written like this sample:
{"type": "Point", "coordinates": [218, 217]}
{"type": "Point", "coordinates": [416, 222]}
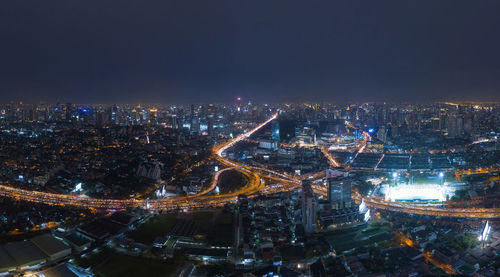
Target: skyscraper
{"type": "Point", "coordinates": [339, 192]}
{"type": "Point", "coordinates": [382, 134]}
{"type": "Point", "coordinates": [195, 122]}
{"type": "Point", "coordinates": [210, 125]}
{"type": "Point", "coordinates": [276, 131]}
{"type": "Point", "coordinates": [308, 207]}
{"type": "Point", "coordinates": [175, 123]}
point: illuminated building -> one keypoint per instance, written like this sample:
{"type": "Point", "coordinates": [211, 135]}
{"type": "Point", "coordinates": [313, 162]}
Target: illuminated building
{"type": "Point", "coordinates": [276, 131]}
{"type": "Point", "coordinates": [308, 207]}
{"type": "Point", "coordinates": [418, 192]}
{"type": "Point", "coordinates": [357, 134]}
{"type": "Point", "coordinates": [339, 192]}
{"type": "Point", "coordinates": [210, 125]}
{"type": "Point", "coordinates": [485, 233]}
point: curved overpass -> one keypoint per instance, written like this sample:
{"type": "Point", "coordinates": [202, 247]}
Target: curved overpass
{"type": "Point", "coordinates": [186, 202]}
{"type": "Point", "coordinates": [256, 183]}
{"type": "Point", "coordinates": [478, 213]}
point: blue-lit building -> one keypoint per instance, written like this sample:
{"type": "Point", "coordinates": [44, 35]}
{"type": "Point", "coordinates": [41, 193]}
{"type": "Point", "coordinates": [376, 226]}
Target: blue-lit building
{"type": "Point", "coordinates": [276, 131]}
{"type": "Point", "coordinates": [357, 134]}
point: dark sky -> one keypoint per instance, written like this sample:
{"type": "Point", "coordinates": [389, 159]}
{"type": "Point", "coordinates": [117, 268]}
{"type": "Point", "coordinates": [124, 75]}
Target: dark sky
{"type": "Point", "coordinates": [268, 51]}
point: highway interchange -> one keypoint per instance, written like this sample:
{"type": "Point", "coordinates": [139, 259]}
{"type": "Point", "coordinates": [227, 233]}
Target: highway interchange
{"type": "Point", "coordinates": [257, 177]}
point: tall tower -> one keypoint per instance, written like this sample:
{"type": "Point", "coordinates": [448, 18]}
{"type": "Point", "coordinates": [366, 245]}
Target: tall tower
{"type": "Point", "coordinates": [210, 125]}
{"type": "Point", "coordinates": [308, 207]}
{"type": "Point", "coordinates": [276, 131]}
{"type": "Point", "coordinates": [451, 126]}
{"type": "Point", "coordinates": [195, 124]}
{"type": "Point", "coordinates": [68, 112]}
{"type": "Point", "coordinates": [174, 122]}
{"type": "Point", "coordinates": [339, 192]}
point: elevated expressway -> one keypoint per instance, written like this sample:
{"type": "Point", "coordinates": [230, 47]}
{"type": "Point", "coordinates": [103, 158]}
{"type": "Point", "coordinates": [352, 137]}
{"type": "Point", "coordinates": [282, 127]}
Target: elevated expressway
{"type": "Point", "coordinates": [256, 177]}
{"type": "Point", "coordinates": [202, 199]}
{"type": "Point", "coordinates": [479, 213]}
{"type": "Point", "coordinates": [379, 203]}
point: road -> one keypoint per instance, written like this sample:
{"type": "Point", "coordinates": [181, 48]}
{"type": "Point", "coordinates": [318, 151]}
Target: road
{"type": "Point", "coordinates": [199, 200]}
{"type": "Point", "coordinates": [256, 183]}
{"type": "Point", "coordinates": [381, 204]}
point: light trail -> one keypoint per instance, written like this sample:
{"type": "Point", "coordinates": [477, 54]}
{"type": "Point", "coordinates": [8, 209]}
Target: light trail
{"type": "Point", "coordinates": [379, 161]}
{"type": "Point", "coordinates": [214, 182]}
{"type": "Point", "coordinates": [332, 161]}
{"type": "Point", "coordinates": [186, 202]}
{"type": "Point", "coordinates": [256, 176]}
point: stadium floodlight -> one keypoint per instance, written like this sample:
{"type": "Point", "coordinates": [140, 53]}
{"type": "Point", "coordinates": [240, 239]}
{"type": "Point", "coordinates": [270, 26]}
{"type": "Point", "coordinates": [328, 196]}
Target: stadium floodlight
{"type": "Point", "coordinates": [415, 193]}
{"type": "Point", "coordinates": [394, 175]}
{"type": "Point", "coordinates": [441, 178]}
{"type": "Point", "coordinates": [484, 234]}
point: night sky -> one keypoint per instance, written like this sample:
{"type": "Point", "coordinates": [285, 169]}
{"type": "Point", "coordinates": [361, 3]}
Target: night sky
{"type": "Point", "coordinates": [266, 51]}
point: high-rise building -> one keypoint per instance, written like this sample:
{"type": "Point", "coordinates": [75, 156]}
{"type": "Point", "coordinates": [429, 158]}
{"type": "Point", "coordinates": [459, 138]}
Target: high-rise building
{"type": "Point", "coordinates": [308, 207]}
{"type": "Point", "coordinates": [339, 192]}
{"type": "Point", "coordinates": [442, 120]}
{"type": "Point", "coordinates": [194, 121]}
{"type": "Point", "coordinates": [451, 126]}
{"type": "Point", "coordinates": [68, 113]}
{"type": "Point", "coordinates": [175, 122]}
{"type": "Point", "coordinates": [100, 119]}
{"type": "Point", "coordinates": [114, 114]}
{"type": "Point", "coordinates": [357, 134]}
{"type": "Point", "coordinates": [468, 124]}
{"type": "Point", "coordinates": [475, 124]}
{"type": "Point", "coordinates": [455, 125]}
{"type": "Point", "coordinates": [435, 124]}
{"type": "Point", "coordinates": [210, 125]}
{"type": "Point", "coordinates": [153, 116]}
{"type": "Point", "coordinates": [276, 131]}
{"type": "Point", "coordinates": [195, 125]}
{"type": "Point", "coordinates": [460, 126]}
{"type": "Point", "coordinates": [382, 134]}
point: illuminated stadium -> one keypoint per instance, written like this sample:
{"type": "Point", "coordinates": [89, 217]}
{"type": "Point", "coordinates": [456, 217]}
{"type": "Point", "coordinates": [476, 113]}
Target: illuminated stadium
{"type": "Point", "coordinates": [418, 192]}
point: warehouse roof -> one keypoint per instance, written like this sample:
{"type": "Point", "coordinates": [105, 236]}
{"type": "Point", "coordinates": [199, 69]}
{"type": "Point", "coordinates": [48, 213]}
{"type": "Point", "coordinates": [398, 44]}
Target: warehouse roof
{"type": "Point", "coordinates": [49, 244]}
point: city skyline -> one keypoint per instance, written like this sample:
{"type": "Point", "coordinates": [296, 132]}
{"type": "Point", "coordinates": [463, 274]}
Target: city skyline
{"type": "Point", "coordinates": [235, 188]}
{"type": "Point", "coordinates": [250, 138]}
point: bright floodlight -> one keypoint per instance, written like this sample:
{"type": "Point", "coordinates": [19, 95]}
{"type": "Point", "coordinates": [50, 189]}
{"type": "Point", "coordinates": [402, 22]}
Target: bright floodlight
{"type": "Point", "coordinates": [441, 174]}
{"type": "Point", "coordinates": [486, 231]}
{"type": "Point", "coordinates": [394, 174]}
{"type": "Point", "coordinates": [417, 192]}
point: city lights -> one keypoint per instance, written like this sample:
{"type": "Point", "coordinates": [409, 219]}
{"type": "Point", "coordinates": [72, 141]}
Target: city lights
{"type": "Point", "coordinates": [269, 139]}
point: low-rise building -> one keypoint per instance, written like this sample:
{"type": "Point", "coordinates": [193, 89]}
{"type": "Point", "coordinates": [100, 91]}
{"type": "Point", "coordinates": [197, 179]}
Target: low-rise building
{"type": "Point", "coordinates": [53, 248]}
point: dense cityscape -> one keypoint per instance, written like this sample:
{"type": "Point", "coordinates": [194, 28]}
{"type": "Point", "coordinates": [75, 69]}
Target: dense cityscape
{"type": "Point", "coordinates": [243, 189]}
{"type": "Point", "coordinates": [249, 138]}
